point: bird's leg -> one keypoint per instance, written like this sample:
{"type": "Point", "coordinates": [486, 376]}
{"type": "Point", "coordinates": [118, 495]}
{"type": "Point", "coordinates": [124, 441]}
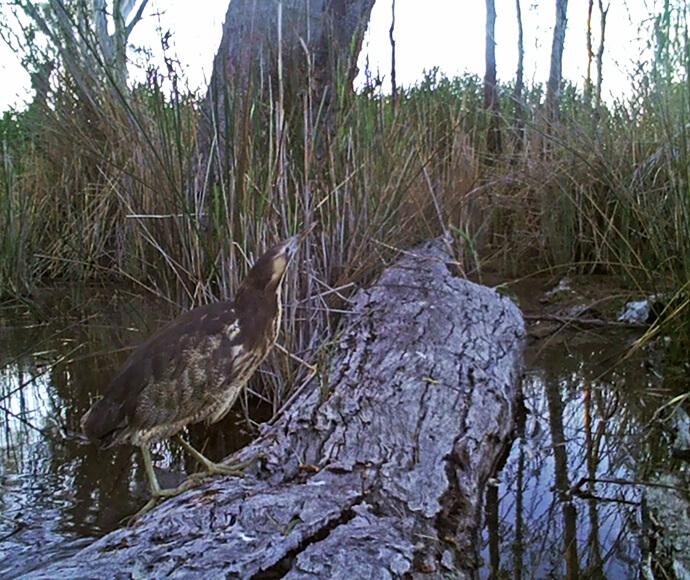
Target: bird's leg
{"type": "Point", "coordinates": [157, 492]}
{"type": "Point", "coordinates": [153, 485]}
{"type": "Point", "coordinates": [212, 466]}
{"type": "Point", "coordinates": [150, 473]}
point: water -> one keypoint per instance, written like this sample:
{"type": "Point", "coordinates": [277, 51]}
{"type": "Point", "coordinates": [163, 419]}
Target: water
{"type": "Point", "coordinates": [57, 492]}
{"type": "Point", "coordinates": [583, 419]}
{"type": "Point", "coordinates": [569, 497]}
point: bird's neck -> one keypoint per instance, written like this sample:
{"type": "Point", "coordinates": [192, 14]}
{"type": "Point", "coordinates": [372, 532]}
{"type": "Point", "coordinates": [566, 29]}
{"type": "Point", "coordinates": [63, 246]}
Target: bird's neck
{"type": "Point", "coordinates": [251, 301]}
{"type": "Point", "coordinates": [259, 313]}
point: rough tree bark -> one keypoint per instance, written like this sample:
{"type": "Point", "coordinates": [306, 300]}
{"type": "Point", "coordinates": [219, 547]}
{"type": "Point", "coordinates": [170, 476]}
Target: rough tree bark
{"type": "Point", "coordinates": [553, 86]}
{"type": "Point", "coordinates": [378, 472]}
{"type": "Point", "coordinates": [292, 49]}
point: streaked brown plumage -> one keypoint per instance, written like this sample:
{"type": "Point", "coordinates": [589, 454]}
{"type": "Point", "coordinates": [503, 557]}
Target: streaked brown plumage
{"type": "Point", "coordinates": [194, 368]}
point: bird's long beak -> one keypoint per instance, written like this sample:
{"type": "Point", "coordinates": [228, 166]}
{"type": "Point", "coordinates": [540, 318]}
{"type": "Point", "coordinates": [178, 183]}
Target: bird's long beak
{"type": "Point", "coordinates": [295, 241]}
{"type": "Point", "coordinates": [306, 232]}
{"type": "Point", "coordinates": [292, 243]}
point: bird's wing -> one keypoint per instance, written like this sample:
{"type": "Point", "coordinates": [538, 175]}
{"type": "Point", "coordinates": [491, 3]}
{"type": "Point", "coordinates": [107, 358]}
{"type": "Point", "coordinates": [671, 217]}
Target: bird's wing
{"type": "Point", "coordinates": [169, 377]}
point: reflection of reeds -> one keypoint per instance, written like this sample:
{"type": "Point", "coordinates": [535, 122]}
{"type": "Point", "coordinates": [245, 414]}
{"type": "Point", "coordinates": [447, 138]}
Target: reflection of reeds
{"type": "Point", "coordinates": [30, 408]}
{"type": "Point", "coordinates": [50, 372]}
{"type": "Point", "coordinates": [570, 495]}
{"type": "Point", "coordinates": [561, 478]}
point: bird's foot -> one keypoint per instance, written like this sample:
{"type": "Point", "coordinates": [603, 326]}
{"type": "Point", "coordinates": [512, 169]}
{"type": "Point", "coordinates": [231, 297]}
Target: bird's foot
{"type": "Point", "coordinates": [238, 467]}
{"type": "Point", "coordinates": [161, 494]}
{"type": "Point", "coordinates": [129, 521]}
{"type": "Point", "coordinates": [223, 468]}
{"type": "Point", "coordinates": [213, 468]}
{"type": "Point", "coordinates": [229, 468]}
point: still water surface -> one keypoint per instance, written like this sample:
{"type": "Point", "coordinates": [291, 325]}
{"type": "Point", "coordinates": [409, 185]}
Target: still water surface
{"type": "Point", "coordinates": [583, 419]}
{"type": "Point", "coordinates": [569, 496]}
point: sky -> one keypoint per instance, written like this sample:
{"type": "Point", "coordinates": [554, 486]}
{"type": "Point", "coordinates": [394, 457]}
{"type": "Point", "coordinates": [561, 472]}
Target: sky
{"type": "Point", "coordinates": [448, 34]}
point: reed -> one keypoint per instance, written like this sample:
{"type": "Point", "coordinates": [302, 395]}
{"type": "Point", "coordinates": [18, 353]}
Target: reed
{"type": "Point", "coordinates": [113, 188]}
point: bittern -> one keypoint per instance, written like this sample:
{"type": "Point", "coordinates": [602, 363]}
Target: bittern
{"type": "Point", "coordinates": [193, 369]}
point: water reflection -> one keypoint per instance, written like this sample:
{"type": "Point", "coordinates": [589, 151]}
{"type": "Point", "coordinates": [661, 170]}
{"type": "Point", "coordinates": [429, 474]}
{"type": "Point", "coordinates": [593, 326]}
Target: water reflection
{"type": "Point", "coordinates": [566, 505]}
{"type": "Point", "coordinates": [57, 492]}
{"type": "Point", "coordinates": [554, 512]}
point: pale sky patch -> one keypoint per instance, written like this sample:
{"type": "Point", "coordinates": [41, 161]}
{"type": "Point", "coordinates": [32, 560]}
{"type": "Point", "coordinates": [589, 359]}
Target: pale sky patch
{"type": "Point", "coordinates": [447, 34]}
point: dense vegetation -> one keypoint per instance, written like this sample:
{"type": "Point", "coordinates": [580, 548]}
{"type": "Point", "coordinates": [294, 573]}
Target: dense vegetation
{"type": "Point", "coordinates": [109, 188]}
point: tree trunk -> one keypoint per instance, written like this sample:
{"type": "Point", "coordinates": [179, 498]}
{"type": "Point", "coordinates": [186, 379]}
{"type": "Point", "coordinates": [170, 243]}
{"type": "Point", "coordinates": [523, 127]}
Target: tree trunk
{"type": "Point", "coordinates": [553, 87]}
{"type": "Point", "coordinates": [491, 104]}
{"type": "Point", "coordinates": [590, 56]}
{"type": "Point", "coordinates": [293, 49]}
{"type": "Point", "coordinates": [79, 32]}
{"type": "Point", "coordinates": [377, 471]}
{"type": "Point", "coordinates": [519, 84]}
{"type": "Point", "coordinates": [394, 85]}
{"type": "Point", "coordinates": [603, 13]}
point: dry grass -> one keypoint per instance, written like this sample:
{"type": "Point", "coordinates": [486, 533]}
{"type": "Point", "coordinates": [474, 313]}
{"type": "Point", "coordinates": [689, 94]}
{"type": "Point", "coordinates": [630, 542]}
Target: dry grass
{"type": "Point", "coordinates": [116, 191]}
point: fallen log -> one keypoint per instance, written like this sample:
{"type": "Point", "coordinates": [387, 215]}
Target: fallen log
{"type": "Point", "coordinates": [377, 473]}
